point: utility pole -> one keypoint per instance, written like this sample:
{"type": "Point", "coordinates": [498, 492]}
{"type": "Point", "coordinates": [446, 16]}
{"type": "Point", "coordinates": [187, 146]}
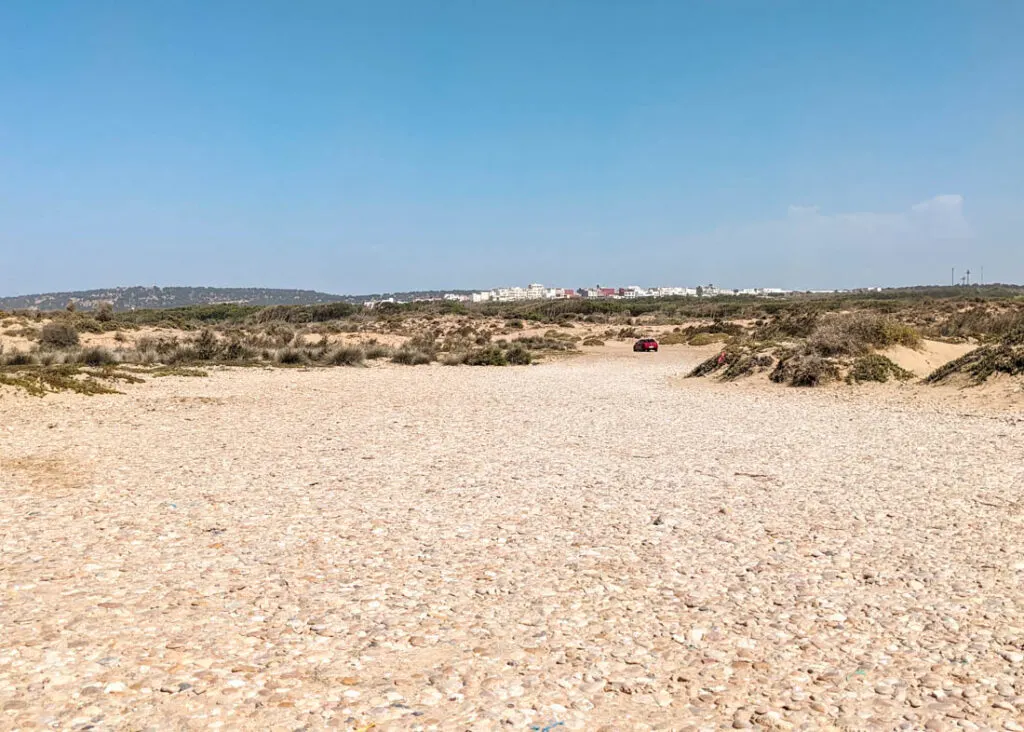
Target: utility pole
{"type": "Point", "coordinates": [983, 275]}
{"type": "Point", "coordinates": [952, 277]}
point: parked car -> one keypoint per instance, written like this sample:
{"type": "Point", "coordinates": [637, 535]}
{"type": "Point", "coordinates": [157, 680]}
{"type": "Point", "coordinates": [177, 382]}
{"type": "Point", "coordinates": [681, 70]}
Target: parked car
{"type": "Point", "coordinates": [646, 344]}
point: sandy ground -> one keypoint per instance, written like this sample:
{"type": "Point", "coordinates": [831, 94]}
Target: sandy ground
{"type": "Point", "coordinates": [932, 354]}
{"type": "Point", "coordinates": [592, 543]}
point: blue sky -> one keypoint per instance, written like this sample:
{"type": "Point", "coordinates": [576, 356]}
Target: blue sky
{"type": "Point", "coordinates": [371, 146]}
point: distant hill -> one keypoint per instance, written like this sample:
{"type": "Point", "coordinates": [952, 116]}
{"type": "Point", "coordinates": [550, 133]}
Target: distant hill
{"type": "Point", "coordinates": [128, 298]}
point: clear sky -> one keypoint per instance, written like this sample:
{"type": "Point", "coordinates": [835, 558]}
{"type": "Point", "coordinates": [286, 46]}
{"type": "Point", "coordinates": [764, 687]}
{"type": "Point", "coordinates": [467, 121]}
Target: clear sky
{"type": "Point", "coordinates": [361, 146]}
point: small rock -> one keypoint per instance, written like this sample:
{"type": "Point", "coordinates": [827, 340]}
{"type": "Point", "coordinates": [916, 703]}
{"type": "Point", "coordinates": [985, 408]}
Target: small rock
{"type": "Point", "coordinates": [931, 681]}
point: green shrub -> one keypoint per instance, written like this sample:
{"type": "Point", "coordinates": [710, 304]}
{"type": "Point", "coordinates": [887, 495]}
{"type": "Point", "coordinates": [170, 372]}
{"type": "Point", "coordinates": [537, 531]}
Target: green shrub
{"type": "Point", "coordinates": [747, 364]}
{"type": "Point", "coordinates": [236, 350]}
{"type": "Point", "coordinates": [714, 363]}
{"type": "Point", "coordinates": [876, 367]}
{"type": "Point", "coordinates": [305, 313]}
{"type": "Point", "coordinates": [518, 356]}
{"type": "Point", "coordinates": [492, 356]}
{"type": "Point", "coordinates": [205, 346]}
{"type": "Point", "coordinates": [856, 334]}
{"type": "Point", "coordinates": [105, 312]}
{"type": "Point", "coordinates": [592, 341]}
{"type": "Point", "coordinates": [706, 339]}
{"type": "Point", "coordinates": [40, 382]}
{"type": "Point", "coordinates": [537, 343]}
{"type": "Point", "coordinates": [27, 332]}
{"type": "Point", "coordinates": [88, 325]}
{"type": "Point", "coordinates": [1004, 357]}
{"type": "Point", "coordinates": [58, 334]}
{"type": "Point", "coordinates": [787, 326]}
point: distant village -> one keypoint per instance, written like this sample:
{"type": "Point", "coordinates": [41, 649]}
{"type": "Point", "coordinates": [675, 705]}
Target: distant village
{"type": "Point", "coordinates": [540, 292]}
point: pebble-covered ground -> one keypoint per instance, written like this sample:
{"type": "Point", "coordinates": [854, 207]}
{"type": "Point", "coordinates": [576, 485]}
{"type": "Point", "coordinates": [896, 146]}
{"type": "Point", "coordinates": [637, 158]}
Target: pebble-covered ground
{"type": "Point", "coordinates": [585, 544]}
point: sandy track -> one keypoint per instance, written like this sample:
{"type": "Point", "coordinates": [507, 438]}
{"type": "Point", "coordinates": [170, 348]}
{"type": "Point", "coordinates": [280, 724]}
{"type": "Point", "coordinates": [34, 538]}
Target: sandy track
{"type": "Point", "coordinates": [589, 541]}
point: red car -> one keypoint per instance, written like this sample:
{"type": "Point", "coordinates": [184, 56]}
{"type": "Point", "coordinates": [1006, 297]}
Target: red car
{"type": "Point", "coordinates": [646, 344]}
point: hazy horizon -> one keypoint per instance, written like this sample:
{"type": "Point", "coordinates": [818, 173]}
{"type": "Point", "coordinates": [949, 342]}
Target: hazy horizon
{"type": "Point", "coordinates": [400, 146]}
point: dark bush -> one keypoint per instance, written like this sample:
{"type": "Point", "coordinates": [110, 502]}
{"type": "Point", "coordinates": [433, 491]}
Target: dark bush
{"type": "Point", "coordinates": [804, 370]}
{"type": "Point", "coordinates": [374, 350]}
{"type": "Point", "coordinates": [18, 358]}
{"type": "Point", "coordinates": [105, 312]}
{"type": "Point", "coordinates": [412, 356]}
{"type": "Point", "coordinates": [1004, 357]}
{"type": "Point", "coordinates": [205, 346]}
{"type": "Point", "coordinates": [876, 367]}
{"type": "Point", "coordinates": [290, 357]}
{"type": "Point", "coordinates": [58, 334]}
{"type": "Point", "coordinates": [518, 356]}
{"type": "Point", "coordinates": [492, 356]}
{"type": "Point", "coordinates": [346, 356]}
{"type": "Point", "coordinates": [96, 356]}
{"type": "Point", "coordinates": [305, 313]}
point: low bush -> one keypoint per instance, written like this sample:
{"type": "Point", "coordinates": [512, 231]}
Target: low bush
{"type": "Point", "coordinates": [746, 365]}
{"type": "Point", "coordinates": [346, 356]}
{"type": "Point", "coordinates": [236, 350]}
{"type": "Point", "coordinates": [455, 358]}
{"type": "Point", "coordinates": [1004, 357]}
{"type": "Point", "coordinates": [290, 357]}
{"type": "Point", "coordinates": [86, 324]}
{"type": "Point", "coordinates": [492, 356]}
{"type": "Point", "coordinates": [304, 313]}
{"type": "Point", "coordinates": [40, 382]}
{"type": "Point", "coordinates": [518, 356]}
{"type": "Point", "coordinates": [592, 341]}
{"type": "Point", "coordinates": [411, 356]}
{"type": "Point", "coordinates": [706, 339]}
{"type": "Point", "coordinates": [787, 326]}
{"type": "Point", "coordinates": [856, 334]}
{"type": "Point", "coordinates": [805, 370]}
{"type": "Point", "coordinates": [27, 332]}
{"type": "Point", "coordinates": [96, 356]}
{"type": "Point", "coordinates": [58, 334]}
{"type": "Point", "coordinates": [18, 358]}
{"type": "Point", "coordinates": [719, 361]}
{"type": "Point", "coordinates": [538, 343]}
{"type": "Point", "coordinates": [876, 367]}
{"type": "Point", "coordinates": [375, 350]}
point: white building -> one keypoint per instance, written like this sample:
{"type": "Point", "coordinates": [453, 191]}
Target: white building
{"type": "Point", "coordinates": [536, 292]}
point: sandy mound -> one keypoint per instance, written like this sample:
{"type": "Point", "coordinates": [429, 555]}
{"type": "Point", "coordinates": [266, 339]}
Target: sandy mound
{"type": "Point", "coordinates": [931, 355]}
